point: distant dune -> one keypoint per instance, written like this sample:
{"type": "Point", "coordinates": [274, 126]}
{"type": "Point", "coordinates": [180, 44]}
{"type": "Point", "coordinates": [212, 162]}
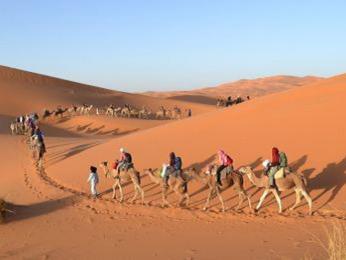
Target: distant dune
{"type": "Point", "coordinates": [246, 87]}
{"type": "Point", "coordinates": [23, 92]}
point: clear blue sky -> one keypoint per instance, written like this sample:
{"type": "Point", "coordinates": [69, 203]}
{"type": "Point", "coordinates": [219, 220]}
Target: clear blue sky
{"type": "Point", "coordinates": [165, 45]}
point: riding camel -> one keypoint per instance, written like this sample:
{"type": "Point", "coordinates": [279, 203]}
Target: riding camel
{"type": "Point", "coordinates": [175, 183]}
{"type": "Point", "coordinates": [292, 180]}
{"type": "Point", "coordinates": [130, 174]}
{"type": "Point", "coordinates": [233, 179]}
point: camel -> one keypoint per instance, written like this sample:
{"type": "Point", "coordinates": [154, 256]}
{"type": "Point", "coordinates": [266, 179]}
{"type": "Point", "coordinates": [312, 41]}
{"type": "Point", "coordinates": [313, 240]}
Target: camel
{"type": "Point", "coordinates": [46, 114]}
{"type": "Point", "coordinates": [125, 112]}
{"type": "Point", "coordinates": [72, 110]}
{"type": "Point", "coordinates": [134, 113]}
{"type": "Point", "coordinates": [60, 112]}
{"type": "Point", "coordinates": [176, 113]}
{"type": "Point", "coordinates": [131, 174]}
{"type": "Point", "coordinates": [39, 150]}
{"type": "Point", "coordinates": [87, 109]}
{"type": "Point", "coordinates": [161, 114]}
{"type": "Point", "coordinates": [292, 180]}
{"type": "Point", "coordinates": [175, 183]}
{"type": "Point", "coordinates": [233, 179]}
{"type": "Point", "coordinates": [110, 111]}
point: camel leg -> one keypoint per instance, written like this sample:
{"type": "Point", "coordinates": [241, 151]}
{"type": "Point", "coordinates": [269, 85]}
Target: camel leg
{"type": "Point", "coordinates": [114, 187]}
{"type": "Point", "coordinates": [241, 200]}
{"type": "Point", "coordinates": [264, 195]}
{"type": "Point", "coordinates": [164, 197]}
{"type": "Point", "coordinates": [248, 198]}
{"type": "Point", "coordinates": [309, 200]}
{"type": "Point", "coordinates": [221, 199]}
{"type": "Point", "coordinates": [142, 194]}
{"type": "Point", "coordinates": [187, 199]}
{"type": "Point", "coordinates": [211, 191]}
{"type": "Point", "coordinates": [181, 196]}
{"type": "Point", "coordinates": [278, 199]}
{"type": "Point", "coordinates": [298, 199]}
{"type": "Point", "coordinates": [121, 192]}
{"type": "Point", "coordinates": [136, 193]}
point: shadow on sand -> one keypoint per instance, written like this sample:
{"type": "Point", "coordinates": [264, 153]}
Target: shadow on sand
{"type": "Point", "coordinates": [23, 212]}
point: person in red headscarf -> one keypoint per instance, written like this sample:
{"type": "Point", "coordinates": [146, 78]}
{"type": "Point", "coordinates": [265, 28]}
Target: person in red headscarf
{"type": "Point", "coordinates": [274, 166]}
{"type": "Point", "coordinates": [275, 157]}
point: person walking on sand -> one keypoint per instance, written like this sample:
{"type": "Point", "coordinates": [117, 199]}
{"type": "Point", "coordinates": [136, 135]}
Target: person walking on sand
{"type": "Point", "coordinates": [93, 180]}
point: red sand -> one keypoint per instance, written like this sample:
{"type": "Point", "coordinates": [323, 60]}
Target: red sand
{"type": "Point", "coordinates": [56, 222]}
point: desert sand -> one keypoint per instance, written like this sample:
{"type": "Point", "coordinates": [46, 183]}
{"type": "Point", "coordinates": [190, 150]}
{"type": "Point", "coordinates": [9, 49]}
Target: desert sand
{"type": "Point", "coordinates": [55, 218]}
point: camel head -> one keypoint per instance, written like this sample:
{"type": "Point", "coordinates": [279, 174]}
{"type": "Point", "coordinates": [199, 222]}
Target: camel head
{"type": "Point", "coordinates": [104, 163]}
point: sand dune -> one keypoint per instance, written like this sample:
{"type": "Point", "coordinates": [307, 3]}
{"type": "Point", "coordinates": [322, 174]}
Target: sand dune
{"type": "Point", "coordinates": [23, 92]}
{"type": "Point", "coordinates": [245, 87]}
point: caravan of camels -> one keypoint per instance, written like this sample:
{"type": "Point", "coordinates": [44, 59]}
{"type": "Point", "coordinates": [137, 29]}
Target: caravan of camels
{"type": "Point", "coordinates": [126, 111]}
{"type": "Point", "coordinates": [178, 183]}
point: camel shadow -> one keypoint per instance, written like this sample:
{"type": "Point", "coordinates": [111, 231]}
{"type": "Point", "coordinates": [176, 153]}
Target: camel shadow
{"type": "Point", "coordinates": [331, 178]}
{"type": "Point", "coordinates": [63, 119]}
{"type": "Point", "coordinates": [81, 128]}
{"type": "Point", "coordinates": [112, 132]}
{"type": "Point", "coordinates": [71, 152]}
{"type": "Point", "coordinates": [127, 132]}
{"type": "Point", "coordinates": [94, 130]}
{"type": "Point", "coordinates": [23, 212]}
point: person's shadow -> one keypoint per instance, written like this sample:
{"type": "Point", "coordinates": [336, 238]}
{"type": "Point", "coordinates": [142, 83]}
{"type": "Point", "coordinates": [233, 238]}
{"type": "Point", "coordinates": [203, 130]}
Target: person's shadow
{"type": "Point", "coordinates": [332, 178]}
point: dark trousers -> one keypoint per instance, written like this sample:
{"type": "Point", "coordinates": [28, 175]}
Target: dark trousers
{"type": "Point", "coordinates": [218, 173]}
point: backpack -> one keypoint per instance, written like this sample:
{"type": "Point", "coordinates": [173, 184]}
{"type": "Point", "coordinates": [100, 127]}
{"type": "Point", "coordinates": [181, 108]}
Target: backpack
{"type": "Point", "coordinates": [128, 158]}
{"type": "Point", "coordinates": [283, 159]}
{"type": "Point", "coordinates": [229, 160]}
{"type": "Point", "coordinates": [178, 163]}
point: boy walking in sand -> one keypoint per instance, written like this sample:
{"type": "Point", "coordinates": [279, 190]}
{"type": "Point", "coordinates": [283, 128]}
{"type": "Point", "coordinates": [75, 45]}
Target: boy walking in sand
{"type": "Point", "coordinates": [93, 180]}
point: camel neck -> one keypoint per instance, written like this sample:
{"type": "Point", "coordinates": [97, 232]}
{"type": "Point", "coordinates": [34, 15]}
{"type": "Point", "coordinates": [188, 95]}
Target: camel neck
{"type": "Point", "coordinates": [254, 179]}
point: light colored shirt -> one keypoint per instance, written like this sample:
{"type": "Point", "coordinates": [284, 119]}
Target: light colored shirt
{"type": "Point", "coordinates": [93, 178]}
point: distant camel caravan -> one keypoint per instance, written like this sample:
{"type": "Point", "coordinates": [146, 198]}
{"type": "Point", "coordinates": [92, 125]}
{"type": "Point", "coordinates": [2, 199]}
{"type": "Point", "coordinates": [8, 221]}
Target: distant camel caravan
{"type": "Point", "coordinates": [230, 102]}
{"type": "Point", "coordinates": [126, 111]}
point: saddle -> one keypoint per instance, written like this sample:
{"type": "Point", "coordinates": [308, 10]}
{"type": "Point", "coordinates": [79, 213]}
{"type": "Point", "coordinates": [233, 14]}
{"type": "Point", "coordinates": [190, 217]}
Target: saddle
{"type": "Point", "coordinates": [280, 174]}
